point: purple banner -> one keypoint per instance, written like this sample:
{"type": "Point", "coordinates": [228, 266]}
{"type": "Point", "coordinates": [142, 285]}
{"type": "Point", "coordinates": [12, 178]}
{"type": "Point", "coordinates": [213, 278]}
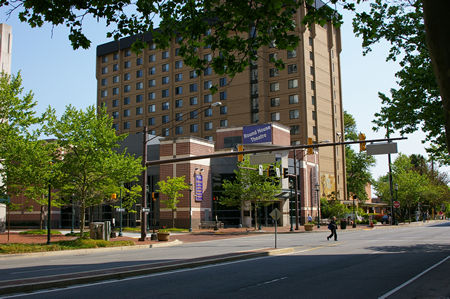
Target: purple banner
{"type": "Point", "coordinates": [198, 194]}
{"type": "Point", "coordinates": [257, 134]}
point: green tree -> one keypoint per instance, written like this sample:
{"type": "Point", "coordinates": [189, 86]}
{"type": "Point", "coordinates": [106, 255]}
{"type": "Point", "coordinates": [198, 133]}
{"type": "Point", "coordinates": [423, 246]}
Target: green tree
{"type": "Point", "coordinates": [171, 188]}
{"type": "Point", "coordinates": [90, 166]}
{"type": "Point", "coordinates": [419, 100]}
{"type": "Point", "coordinates": [249, 187]}
{"type": "Point", "coordinates": [357, 164]}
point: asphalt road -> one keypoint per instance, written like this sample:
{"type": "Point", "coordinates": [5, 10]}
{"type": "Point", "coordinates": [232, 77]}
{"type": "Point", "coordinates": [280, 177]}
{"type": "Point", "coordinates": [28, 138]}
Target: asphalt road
{"type": "Point", "coordinates": [362, 264]}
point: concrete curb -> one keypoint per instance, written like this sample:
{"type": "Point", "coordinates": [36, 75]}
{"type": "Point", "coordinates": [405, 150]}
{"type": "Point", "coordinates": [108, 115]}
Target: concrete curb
{"type": "Point", "coordinates": [89, 250]}
{"type": "Point", "coordinates": [29, 285]}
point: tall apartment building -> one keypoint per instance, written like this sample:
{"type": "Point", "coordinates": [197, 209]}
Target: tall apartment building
{"type": "Point", "coordinates": [155, 89]}
{"type": "Point", "coordinates": [5, 47]}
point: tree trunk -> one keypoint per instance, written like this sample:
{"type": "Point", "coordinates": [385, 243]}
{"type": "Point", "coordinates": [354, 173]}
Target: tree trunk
{"type": "Point", "coordinates": [437, 27]}
{"type": "Point", "coordinates": [173, 218]}
{"type": "Point", "coordinates": [82, 219]}
{"type": "Point", "coordinates": [41, 218]}
{"type": "Point", "coordinates": [256, 217]}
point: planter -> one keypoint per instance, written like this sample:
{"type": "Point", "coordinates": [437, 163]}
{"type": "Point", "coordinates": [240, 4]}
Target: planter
{"type": "Point", "coordinates": [308, 227]}
{"type": "Point", "coordinates": [163, 236]}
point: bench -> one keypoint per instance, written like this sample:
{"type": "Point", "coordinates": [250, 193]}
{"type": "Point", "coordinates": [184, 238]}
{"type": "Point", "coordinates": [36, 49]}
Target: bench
{"type": "Point", "coordinates": [210, 224]}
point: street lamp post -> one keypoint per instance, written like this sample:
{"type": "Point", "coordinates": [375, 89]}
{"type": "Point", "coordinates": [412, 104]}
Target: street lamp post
{"type": "Point", "coordinates": [318, 204]}
{"type": "Point", "coordinates": [396, 198]}
{"type": "Point", "coordinates": [290, 209]}
{"type": "Point", "coordinates": [190, 207]}
{"type": "Point", "coordinates": [354, 215]}
{"type": "Point", "coordinates": [73, 216]}
{"type": "Point", "coordinates": [120, 217]}
{"type": "Point", "coordinates": [49, 213]}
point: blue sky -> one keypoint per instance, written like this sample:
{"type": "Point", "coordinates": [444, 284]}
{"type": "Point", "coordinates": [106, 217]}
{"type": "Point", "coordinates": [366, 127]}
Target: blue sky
{"type": "Point", "coordinates": [59, 75]}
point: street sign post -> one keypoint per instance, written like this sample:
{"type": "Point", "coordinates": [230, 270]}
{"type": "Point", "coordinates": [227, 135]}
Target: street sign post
{"type": "Point", "coordinates": [275, 214]}
{"type": "Point", "coordinates": [396, 204]}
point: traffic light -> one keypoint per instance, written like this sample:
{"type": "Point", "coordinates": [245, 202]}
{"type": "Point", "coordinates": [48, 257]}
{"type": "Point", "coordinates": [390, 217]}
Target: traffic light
{"type": "Point", "coordinates": [155, 195]}
{"type": "Point", "coordinates": [271, 172]}
{"type": "Point", "coordinates": [291, 182]}
{"type": "Point", "coordinates": [113, 196]}
{"type": "Point", "coordinates": [240, 149]}
{"type": "Point", "coordinates": [310, 150]}
{"type": "Point", "coordinates": [285, 172]}
{"type": "Point", "coordinates": [362, 145]}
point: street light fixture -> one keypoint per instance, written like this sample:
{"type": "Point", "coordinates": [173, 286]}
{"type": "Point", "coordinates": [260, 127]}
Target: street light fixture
{"type": "Point", "coordinates": [317, 188]}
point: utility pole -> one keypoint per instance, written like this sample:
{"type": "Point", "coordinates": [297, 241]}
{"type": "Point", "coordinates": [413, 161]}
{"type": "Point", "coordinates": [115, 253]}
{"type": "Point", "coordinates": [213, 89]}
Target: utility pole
{"type": "Point", "coordinates": [144, 188]}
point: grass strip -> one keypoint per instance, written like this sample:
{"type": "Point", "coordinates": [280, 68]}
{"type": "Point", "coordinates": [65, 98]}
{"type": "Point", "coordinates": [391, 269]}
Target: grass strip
{"type": "Point", "coordinates": [13, 248]}
{"type": "Point", "coordinates": [39, 232]}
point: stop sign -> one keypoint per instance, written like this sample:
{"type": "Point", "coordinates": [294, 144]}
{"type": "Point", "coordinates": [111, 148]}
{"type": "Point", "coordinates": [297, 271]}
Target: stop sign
{"type": "Point", "coordinates": [396, 204]}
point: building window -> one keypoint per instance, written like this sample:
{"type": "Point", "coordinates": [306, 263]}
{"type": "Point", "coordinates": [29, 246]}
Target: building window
{"type": "Point", "coordinates": [272, 57]}
{"type": "Point", "coordinates": [178, 103]}
{"type": "Point", "coordinates": [165, 132]}
{"type": "Point", "coordinates": [126, 100]}
{"type": "Point", "coordinates": [126, 76]}
{"type": "Point", "coordinates": [295, 130]}
{"type": "Point", "coordinates": [139, 61]}
{"type": "Point", "coordinates": [294, 114]}
{"type": "Point", "coordinates": [152, 46]}
{"type": "Point", "coordinates": [311, 55]}
{"type": "Point", "coordinates": [165, 54]}
{"type": "Point", "coordinates": [207, 98]}
{"type": "Point", "coordinates": [314, 130]}
{"type": "Point", "coordinates": [165, 80]}
{"type": "Point", "coordinates": [311, 70]}
{"type": "Point", "coordinates": [254, 89]}
{"type": "Point", "coordinates": [139, 73]}
{"type": "Point", "coordinates": [207, 84]}
{"type": "Point", "coordinates": [151, 95]}
{"type": "Point", "coordinates": [165, 93]}
{"type": "Point", "coordinates": [139, 98]}
{"type": "Point", "coordinates": [178, 64]}
{"type": "Point", "coordinates": [223, 95]}
{"type": "Point", "coordinates": [116, 79]}
{"type": "Point", "coordinates": [115, 103]}
{"type": "Point", "coordinates": [126, 88]}
{"type": "Point", "coordinates": [178, 116]}
{"type": "Point", "coordinates": [104, 70]}
{"type": "Point", "coordinates": [310, 40]}
{"type": "Point", "coordinates": [127, 53]}
{"type": "Point", "coordinates": [104, 59]}
{"type": "Point", "coordinates": [151, 121]}
{"type": "Point", "coordinates": [222, 82]}
{"type": "Point", "coordinates": [152, 70]}
{"type": "Point", "coordinates": [291, 54]}
{"type": "Point", "coordinates": [151, 83]}
{"type": "Point", "coordinates": [275, 116]}
{"type": "Point", "coordinates": [274, 102]}
{"type": "Point", "coordinates": [179, 77]}
{"type": "Point", "coordinates": [152, 132]}
{"type": "Point", "coordinates": [293, 83]}
{"type": "Point", "coordinates": [165, 106]}
{"type": "Point", "coordinates": [151, 108]}
{"type": "Point", "coordinates": [314, 115]}
{"type": "Point", "coordinates": [127, 64]}
{"type": "Point", "coordinates": [207, 71]}
{"type": "Point", "coordinates": [139, 85]}
{"type": "Point", "coordinates": [126, 125]}
{"type": "Point", "coordinates": [193, 114]}
{"type": "Point", "coordinates": [165, 119]}
{"type": "Point", "coordinates": [177, 52]}
{"type": "Point", "coordinates": [254, 118]}
{"type": "Point", "coordinates": [274, 86]}
{"type": "Point", "coordinates": [313, 100]}
{"type": "Point", "coordinates": [139, 123]}
{"type": "Point", "coordinates": [293, 99]}
{"type": "Point", "coordinates": [193, 87]}
{"type": "Point", "coordinates": [295, 142]}
{"type": "Point", "coordinates": [223, 110]}
{"type": "Point", "coordinates": [165, 67]}
{"type": "Point", "coordinates": [292, 68]}
{"type": "Point", "coordinates": [273, 72]}
{"type": "Point", "coordinates": [193, 101]}
{"type": "Point", "coordinates": [104, 82]}
{"type": "Point", "coordinates": [194, 128]}
{"type": "Point", "coordinates": [208, 126]}
{"type": "Point", "coordinates": [179, 90]}
{"type": "Point", "coordinates": [223, 123]}
{"type": "Point", "coordinates": [115, 90]}
{"type": "Point", "coordinates": [126, 112]}
{"type": "Point", "coordinates": [178, 130]}
{"type": "Point", "coordinates": [208, 112]}
{"type": "Point", "coordinates": [207, 57]}
{"type": "Point", "coordinates": [193, 74]}
{"type": "Point", "coordinates": [313, 85]}
{"type": "Point", "coordinates": [115, 67]}
{"type": "Point", "coordinates": [115, 56]}
{"type": "Point", "coordinates": [115, 127]}
{"type": "Point", "coordinates": [152, 58]}
{"type": "Point", "coordinates": [115, 114]}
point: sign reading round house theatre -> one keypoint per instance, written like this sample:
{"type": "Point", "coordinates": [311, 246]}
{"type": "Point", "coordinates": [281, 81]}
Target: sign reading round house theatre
{"type": "Point", "coordinates": [257, 134]}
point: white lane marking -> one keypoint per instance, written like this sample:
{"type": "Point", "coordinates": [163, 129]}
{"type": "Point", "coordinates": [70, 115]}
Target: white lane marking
{"type": "Point", "coordinates": [412, 279]}
{"type": "Point", "coordinates": [263, 283]}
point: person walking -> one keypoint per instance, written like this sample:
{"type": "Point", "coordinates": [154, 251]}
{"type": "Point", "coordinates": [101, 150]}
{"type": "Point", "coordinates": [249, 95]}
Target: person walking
{"type": "Point", "coordinates": [333, 227]}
